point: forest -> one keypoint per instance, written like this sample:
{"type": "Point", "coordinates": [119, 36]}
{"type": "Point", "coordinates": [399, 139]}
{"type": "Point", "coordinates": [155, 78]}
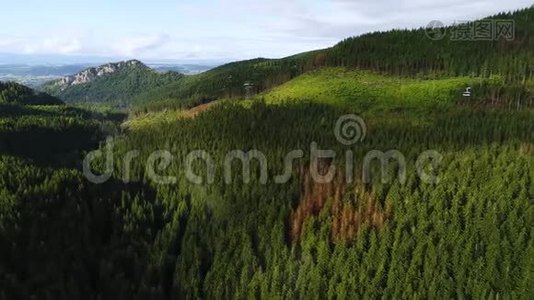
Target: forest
{"type": "Point", "coordinates": [14, 93]}
{"type": "Point", "coordinates": [467, 234]}
{"type": "Point", "coordinates": [65, 237]}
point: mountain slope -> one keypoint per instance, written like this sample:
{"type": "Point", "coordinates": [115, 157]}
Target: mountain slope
{"type": "Point", "coordinates": [114, 82]}
{"type": "Point", "coordinates": [11, 92]}
{"type": "Point", "coordinates": [457, 50]}
{"type": "Point", "coordinates": [228, 81]}
{"type": "Point", "coordinates": [372, 91]}
{"type": "Point", "coordinates": [367, 91]}
{"type": "Point", "coordinates": [411, 53]}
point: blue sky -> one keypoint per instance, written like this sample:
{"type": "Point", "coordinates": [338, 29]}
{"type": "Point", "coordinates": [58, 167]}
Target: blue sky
{"type": "Point", "coordinates": [215, 30]}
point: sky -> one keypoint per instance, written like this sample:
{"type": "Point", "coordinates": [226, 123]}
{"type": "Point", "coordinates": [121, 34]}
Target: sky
{"type": "Point", "coordinates": [211, 30]}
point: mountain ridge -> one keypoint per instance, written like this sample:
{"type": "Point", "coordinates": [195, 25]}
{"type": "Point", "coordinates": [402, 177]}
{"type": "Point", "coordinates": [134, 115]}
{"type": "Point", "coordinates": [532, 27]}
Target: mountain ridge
{"type": "Point", "coordinates": [112, 82]}
{"type": "Point", "coordinates": [90, 74]}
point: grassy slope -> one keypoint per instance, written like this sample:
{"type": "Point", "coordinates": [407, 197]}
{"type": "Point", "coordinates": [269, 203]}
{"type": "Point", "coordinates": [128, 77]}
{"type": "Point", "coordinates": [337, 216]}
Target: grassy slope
{"type": "Point", "coordinates": [362, 90]}
{"type": "Point", "coordinates": [143, 120]}
{"type": "Point", "coordinates": [369, 90]}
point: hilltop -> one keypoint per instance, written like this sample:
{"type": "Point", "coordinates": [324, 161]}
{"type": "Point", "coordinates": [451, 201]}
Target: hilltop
{"type": "Point", "coordinates": [112, 82]}
{"type": "Point", "coordinates": [91, 74]}
{"type": "Point", "coordinates": [14, 93]}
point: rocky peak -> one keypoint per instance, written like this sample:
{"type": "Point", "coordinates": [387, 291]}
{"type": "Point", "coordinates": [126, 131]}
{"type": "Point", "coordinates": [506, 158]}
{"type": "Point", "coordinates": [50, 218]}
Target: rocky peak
{"type": "Point", "coordinates": [91, 74]}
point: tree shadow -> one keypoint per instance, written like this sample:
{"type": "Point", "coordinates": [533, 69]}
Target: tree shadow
{"type": "Point", "coordinates": [53, 136]}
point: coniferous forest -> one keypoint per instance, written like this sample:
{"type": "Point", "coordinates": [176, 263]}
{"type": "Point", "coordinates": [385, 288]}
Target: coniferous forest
{"type": "Point", "coordinates": [147, 231]}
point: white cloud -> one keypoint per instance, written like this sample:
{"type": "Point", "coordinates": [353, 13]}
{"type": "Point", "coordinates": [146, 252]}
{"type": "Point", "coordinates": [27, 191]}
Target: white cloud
{"type": "Point", "coordinates": [239, 29]}
{"type": "Point", "coordinates": [46, 45]}
{"type": "Point", "coordinates": [59, 45]}
{"type": "Point", "coordinates": [139, 45]}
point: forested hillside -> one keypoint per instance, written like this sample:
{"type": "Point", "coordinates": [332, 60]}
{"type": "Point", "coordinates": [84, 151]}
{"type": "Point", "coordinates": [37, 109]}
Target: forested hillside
{"type": "Point", "coordinates": [228, 81]}
{"type": "Point", "coordinates": [11, 92]}
{"type": "Point", "coordinates": [468, 236]}
{"type": "Point", "coordinates": [115, 83]}
{"type": "Point", "coordinates": [415, 52]}
{"type": "Point", "coordinates": [174, 218]}
{"type": "Point", "coordinates": [52, 134]}
{"type": "Point", "coordinates": [412, 53]}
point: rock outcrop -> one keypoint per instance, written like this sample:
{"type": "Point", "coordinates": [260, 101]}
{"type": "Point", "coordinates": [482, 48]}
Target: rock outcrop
{"type": "Point", "coordinates": [89, 75]}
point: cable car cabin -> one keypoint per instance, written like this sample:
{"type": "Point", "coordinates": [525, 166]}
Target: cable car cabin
{"type": "Point", "coordinates": [249, 86]}
{"type": "Point", "coordinates": [467, 92]}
